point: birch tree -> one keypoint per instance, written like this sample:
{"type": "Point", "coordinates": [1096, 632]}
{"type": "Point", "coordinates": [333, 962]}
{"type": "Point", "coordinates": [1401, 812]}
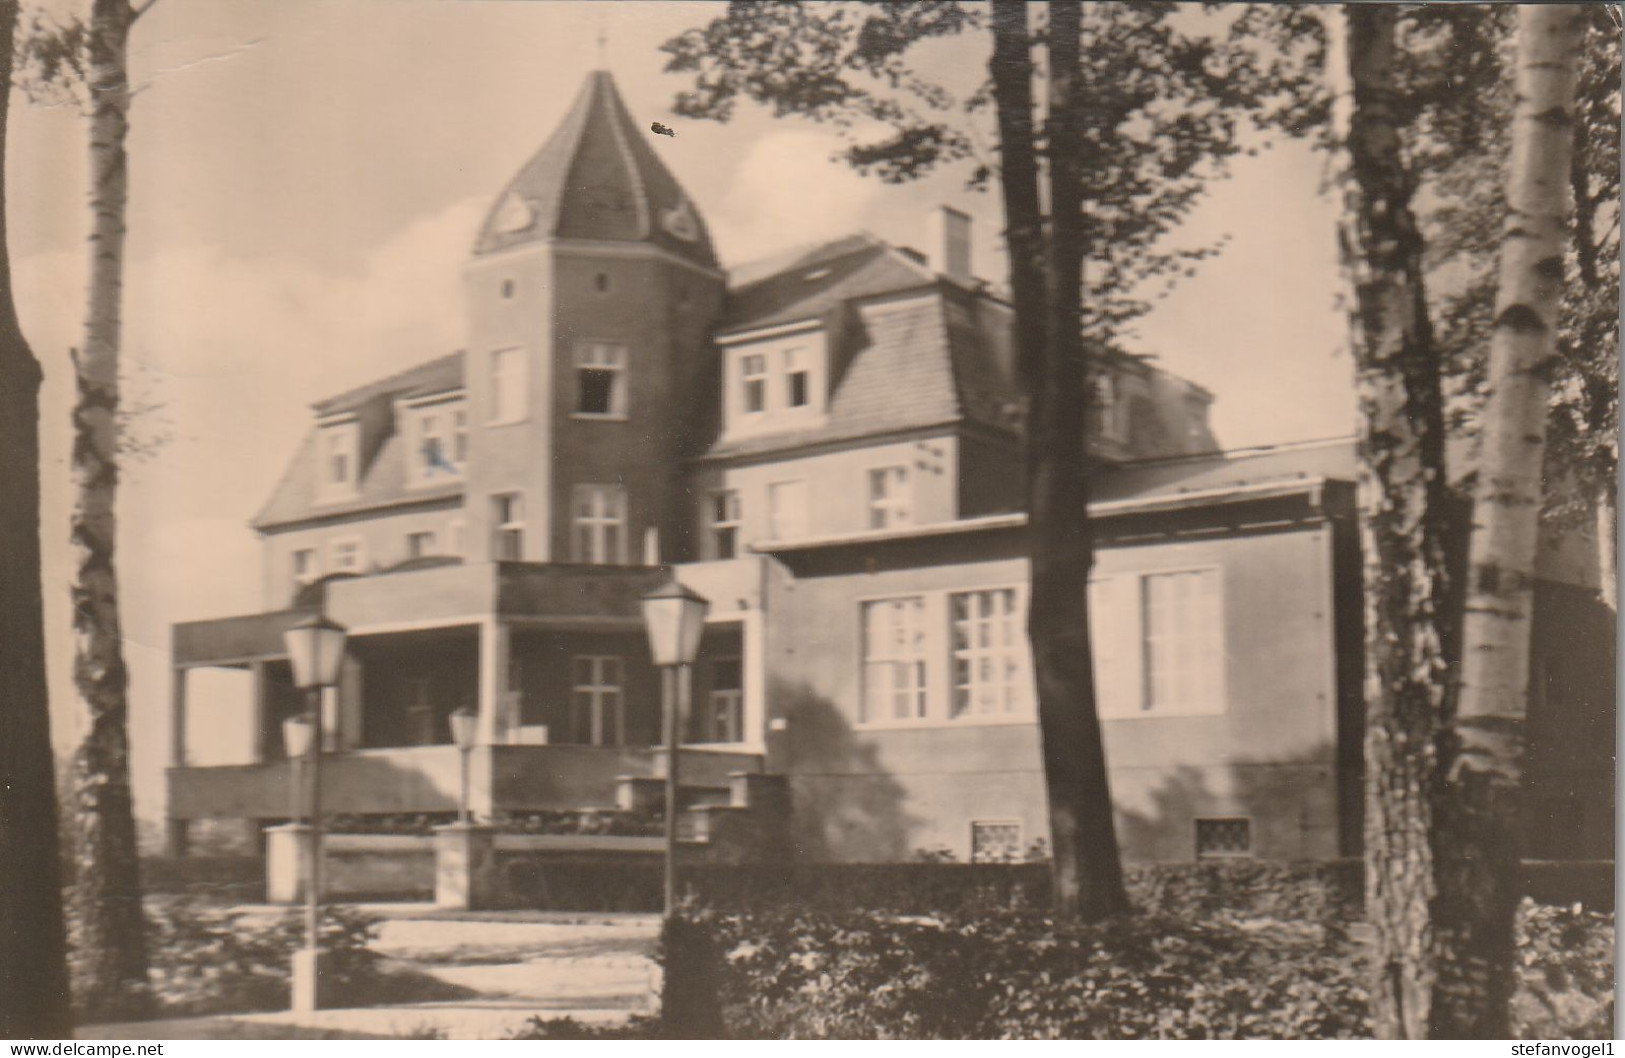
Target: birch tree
{"type": "Point", "coordinates": [1479, 885]}
{"type": "Point", "coordinates": [33, 968]}
{"type": "Point", "coordinates": [1404, 523]}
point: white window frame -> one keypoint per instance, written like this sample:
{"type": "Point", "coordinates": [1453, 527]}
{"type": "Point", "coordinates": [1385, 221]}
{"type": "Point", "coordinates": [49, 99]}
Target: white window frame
{"type": "Point", "coordinates": [792, 363]}
{"type": "Point", "coordinates": [589, 533]}
{"type": "Point", "coordinates": [504, 528]}
{"type": "Point", "coordinates": [747, 378]}
{"type": "Point", "coordinates": [892, 510]}
{"type": "Point", "coordinates": [734, 510]}
{"type": "Point", "coordinates": [334, 441]}
{"type": "Point", "coordinates": [1006, 653]}
{"type": "Point", "coordinates": [775, 517]}
{"type": "Point", "coordinates": [433, 543]}
{"type": "Point", "coordinates": [877, 705]}
{"type": "Point", "coordinates": [1123, 652]}
{"type": "Point", "coordinates": [729, 702]}
{"type": "Point", "coordinates": [509, 390]}
{"type": "Point", "coordinates": [360, 546]}
{"type": "Point", "coordinates": [592, 354]}
{"type": "Point", "coordinates": [311, 574]}
{"type": "Point", "coordinates": [597, 690]}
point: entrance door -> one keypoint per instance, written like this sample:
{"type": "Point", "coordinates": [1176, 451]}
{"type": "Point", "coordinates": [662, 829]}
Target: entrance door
{"type": "Point", "coordinates": [597, 701]}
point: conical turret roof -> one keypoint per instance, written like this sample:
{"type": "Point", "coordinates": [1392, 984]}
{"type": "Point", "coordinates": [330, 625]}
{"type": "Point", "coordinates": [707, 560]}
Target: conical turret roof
{"type": "Point", "coordinates": [597, 177]}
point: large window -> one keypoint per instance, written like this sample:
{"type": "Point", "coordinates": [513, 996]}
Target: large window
{"type": "Point", "coordinates": [1158, 642]}
{"type": "Point", "coordinates": [508, 527]}
{"type": "Point", "coordinates": [895, 687]}
{"type": "Point", "coordinates": [1184, 645]}
{"type": "Point", "coordinates": [509, 383]}
{"type": "Point", "coordinates": [725, 520]}
{"type": "Point", "coordinates": [441, 443]}
{"type": "Point", "coordinates": [787, 510]}
{"type": "Point", "coordinates": [724, 717]}
{"type": "Point", "coordinates": [987, 649]}
{"type": "Point", "coordinates": [597, 712]}
{"type": "Point", "coordinates": [600, 380]}
{"type": "Point", "coordinates": [891, 498]}
{"type": "Point", "coordinates": [600, 525]}
{"type": "Point", "coordinates": [339, 470]}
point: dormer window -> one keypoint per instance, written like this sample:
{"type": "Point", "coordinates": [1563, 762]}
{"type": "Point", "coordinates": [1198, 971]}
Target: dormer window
{"type": "Point", "coordinates": [339, 471]}
{"type": "Point", "coordinates": [754, 372]}
{"type": "Point", "coordinates": [439, 435]}
{"type": "Point", "coordinates": [600, 380]}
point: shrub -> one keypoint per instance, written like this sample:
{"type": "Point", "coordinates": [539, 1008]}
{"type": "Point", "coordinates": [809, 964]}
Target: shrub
{"type": "Point", "coordinates": [209, 960]}
{"type": "Point", "coordinates": [1024, 976]}
{"type": "Point", "coordinates": [1566, 970]}
{"type": "Point", "coordinates": [637, 1027]}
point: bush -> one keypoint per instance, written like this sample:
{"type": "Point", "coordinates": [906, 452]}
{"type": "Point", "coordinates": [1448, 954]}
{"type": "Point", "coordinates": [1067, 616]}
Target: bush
{"type": "Point", "coordinates": [1023, 976]}
{"type": "Point", "coordinates": [1566, 970]}
{"type": "Point", "coordinates": [209, 960]}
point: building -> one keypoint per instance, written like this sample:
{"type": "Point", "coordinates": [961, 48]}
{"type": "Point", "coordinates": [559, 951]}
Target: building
{"type": "Point", "coordinates": [827, 446]}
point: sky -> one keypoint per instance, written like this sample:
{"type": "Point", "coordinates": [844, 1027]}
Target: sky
{"type": "Point", "coordinates": [306, 177]}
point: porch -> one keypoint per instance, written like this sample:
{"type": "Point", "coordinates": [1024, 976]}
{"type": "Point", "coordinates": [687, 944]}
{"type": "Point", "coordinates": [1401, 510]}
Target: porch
{"type": "Point", "coordinates": [552, 658]}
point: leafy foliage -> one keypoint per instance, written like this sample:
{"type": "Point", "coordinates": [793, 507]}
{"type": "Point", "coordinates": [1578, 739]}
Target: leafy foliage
{"type": "Point", "coordinates": [208, 960]}
{"type": "Point", "coordinates": [1169, 91]}
{"type": "Point", "coordinates": [1566, 963]}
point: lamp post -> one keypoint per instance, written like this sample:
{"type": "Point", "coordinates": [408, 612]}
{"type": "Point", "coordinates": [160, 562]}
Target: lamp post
{"type": "Point", "coordinates": [464, 723]}
{"type": "Point", "coordinates": [674, 617]}
{"type": "Point", "coordinates": [316, 651]}
{"type": "Point", "coordinates": [296, 734]}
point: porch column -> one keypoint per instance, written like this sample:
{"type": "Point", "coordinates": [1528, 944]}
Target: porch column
{"type": "Point", "coordinates": [352, 688]}
{"type": "Point", "coordinates": [257, 699]}
{"type": "Point", "coordinates": [496, 700]}
{"type": "Point", "coordinates": [753, 663]}
{"type": "Point", "coordinates": [177, 717]}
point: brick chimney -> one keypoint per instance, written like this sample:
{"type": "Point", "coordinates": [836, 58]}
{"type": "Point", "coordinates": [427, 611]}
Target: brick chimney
{"type": "Point", "coordinates": [950, 244]}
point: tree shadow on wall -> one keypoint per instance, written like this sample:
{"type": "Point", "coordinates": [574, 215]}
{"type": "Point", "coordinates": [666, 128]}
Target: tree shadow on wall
{"type": "Point", "coordinates": [845, 804]}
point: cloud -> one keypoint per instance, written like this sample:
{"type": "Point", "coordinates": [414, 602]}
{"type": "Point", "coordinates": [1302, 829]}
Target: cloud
{"type": "Point", "coordinates": [786, 191]}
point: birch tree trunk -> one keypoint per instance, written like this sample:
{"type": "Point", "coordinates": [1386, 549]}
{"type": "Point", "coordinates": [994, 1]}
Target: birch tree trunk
{"type": "Point", "coordinates": [1046, 282]}
{"type": "Point", "coordinates": [33, 956]}
{"type": "Point", "coordinates": [1403, 529]}
{"type": "Point", "coordinates": [1478, 881]}
{"type": "Point", "coordinates": [109, 945]}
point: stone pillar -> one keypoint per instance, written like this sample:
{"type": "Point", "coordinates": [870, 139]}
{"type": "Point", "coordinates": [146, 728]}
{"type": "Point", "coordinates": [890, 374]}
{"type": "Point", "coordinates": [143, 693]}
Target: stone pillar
{"type": "Point", "coordinates": [496, 702]}
{"type": "Point", "coordinates": [287, 848]}
{"type": "Point", "coordinates": [465, 876]}
{"type": "Point", "coordinates": [258, 696]}
{"type": "Point", "coordinates": [753, 673]}
{"type": "Point", "coordinates": [177, 717]}
{"type": "Point", "coordinates": [351, 690]}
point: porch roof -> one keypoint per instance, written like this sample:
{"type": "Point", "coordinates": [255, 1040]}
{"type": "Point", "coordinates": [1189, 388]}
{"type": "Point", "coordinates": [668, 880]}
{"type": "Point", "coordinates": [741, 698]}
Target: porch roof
{"type": "Point", "coordinates": [538, 594]}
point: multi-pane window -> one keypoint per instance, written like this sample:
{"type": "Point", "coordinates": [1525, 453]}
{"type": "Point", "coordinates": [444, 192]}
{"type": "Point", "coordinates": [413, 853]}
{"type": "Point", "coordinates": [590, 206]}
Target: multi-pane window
{"type": "Point", "coordinates": [1224, 837]}
{"type": "Point", "coordinates": [600, 379]}
{"type": "Point", "coordinates": [306, 568]}
{"type": "Point", "coordinates": [995, 841]}
{"type": "Point", "coordinates": [796, 393]}
{"type": "Point", "coordinates": [891, 500]}
{"type": "Point", "coordinates": [894, 660]}
{"type": "Point", "coordinates": [507, 527]}
{"type": "Point", "coordinates": [442, 443]}
{"type": "Point", "coordinates": [725, 520]}
{"type": "Point", "coordinates": [724, 719]}
{"type": "Point", "coordinates": [753, 372]}
{"type": "Point", "coordinates": [346, 555]}
{"type": "Point", "coordinates": [1184, 642]}
{"type": "Point", "coordinates": [985, 647]}
{"type": "Point", "coordinates": [508, 385]}
{"type": "Point", "coordinates": [420, 544]}
{"type": "Point", "coordinates": [600, 525]}
{"type": "Point", "coordinates": [597, 712]}
{"type": "Point", "coordinates": [338, 465]}
{"type": "Point", "coordinates": [787, 510]}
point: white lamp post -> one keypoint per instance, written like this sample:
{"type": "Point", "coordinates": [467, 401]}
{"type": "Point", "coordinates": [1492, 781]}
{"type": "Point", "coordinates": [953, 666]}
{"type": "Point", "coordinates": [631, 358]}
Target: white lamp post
{"type": "Point", "coordinates": [316, 652]}
{"type": "Point", "coordinates": [296, 735]}
{"type": "Point", "coordinates": [674, 617]}
{"type": "Point", "coordinates": [464, 724]}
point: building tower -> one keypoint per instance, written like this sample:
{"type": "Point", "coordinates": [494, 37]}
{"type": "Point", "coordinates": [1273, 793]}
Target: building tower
{"type": "Point", "coordinates": [590, 298]}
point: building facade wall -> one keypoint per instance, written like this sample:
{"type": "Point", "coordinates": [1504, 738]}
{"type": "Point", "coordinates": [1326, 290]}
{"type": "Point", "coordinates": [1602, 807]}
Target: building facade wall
{"type": "Point", "coordinates": [382, 535]}
{"type": "Point", "coordinates": [868, 792]}
{"type": "Point", "coordinates": [835, 485]}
